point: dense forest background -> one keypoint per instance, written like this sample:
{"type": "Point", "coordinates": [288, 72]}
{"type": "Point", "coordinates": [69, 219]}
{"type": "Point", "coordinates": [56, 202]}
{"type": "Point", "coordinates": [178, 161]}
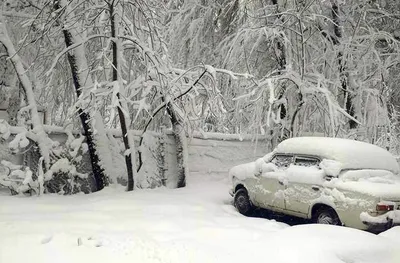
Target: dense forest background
{"type": "Point", "coordinates": [275, 68]}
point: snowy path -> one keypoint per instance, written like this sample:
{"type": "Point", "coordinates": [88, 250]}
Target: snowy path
{"type": "Point", "coordinates": [195, 224]}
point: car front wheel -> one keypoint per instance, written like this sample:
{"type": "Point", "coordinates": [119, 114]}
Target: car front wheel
{"type": "Point", "coordinates": [242, 202]}
{"type": "Point", "coordinates": [327, 216]}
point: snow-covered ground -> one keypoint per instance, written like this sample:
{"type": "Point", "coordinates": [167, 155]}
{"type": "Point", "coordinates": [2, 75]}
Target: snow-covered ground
{"type": "Point", "coordinates": [194, 224]}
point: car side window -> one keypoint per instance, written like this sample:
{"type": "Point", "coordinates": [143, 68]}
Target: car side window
{"type": "Point", "coordinates": [282, 161]}
{"type": "Point", "coordinates": [306, 161]}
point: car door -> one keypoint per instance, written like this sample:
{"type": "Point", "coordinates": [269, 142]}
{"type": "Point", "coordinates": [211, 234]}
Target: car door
{"type": "Point", "coordinates": [269, 190]}
{"type": "Point", "coordinates": [304, 184]}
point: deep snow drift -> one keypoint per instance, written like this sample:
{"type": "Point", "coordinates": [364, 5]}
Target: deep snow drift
{"type": "Point", "coordinates": [194, 224]}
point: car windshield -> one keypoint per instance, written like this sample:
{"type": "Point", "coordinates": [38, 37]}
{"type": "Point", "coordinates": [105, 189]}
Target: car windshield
{"type": "Point", "coordinates": [282, 160]}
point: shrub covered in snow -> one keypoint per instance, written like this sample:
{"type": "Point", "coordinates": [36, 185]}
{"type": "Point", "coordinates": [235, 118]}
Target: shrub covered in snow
{"type": "Point", "coordinates": [62, 177]}
{"type": "Point", "coordinates": [17, 178]}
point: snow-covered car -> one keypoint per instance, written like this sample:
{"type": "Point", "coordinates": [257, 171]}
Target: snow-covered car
{"type": "Point", "coordinates": [328, 180]}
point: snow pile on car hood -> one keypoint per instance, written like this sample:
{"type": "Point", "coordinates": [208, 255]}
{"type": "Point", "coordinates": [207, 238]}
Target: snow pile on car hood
{"type": "Point", "coordinates": [351, 154]}
{"type": "Point", "coordinates": [243, 171]}
{"type": "Point", "coordinates": [249, 170]}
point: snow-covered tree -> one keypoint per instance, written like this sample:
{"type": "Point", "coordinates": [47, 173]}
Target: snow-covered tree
{"type": "Point", "coordinates": [308, 66]}
{"type": "Point", "coordinates": [38, 133]}
{"type": "Point", "coordinates": [317, 66]}
{"type": "Point", "coordinates": [91, 119]}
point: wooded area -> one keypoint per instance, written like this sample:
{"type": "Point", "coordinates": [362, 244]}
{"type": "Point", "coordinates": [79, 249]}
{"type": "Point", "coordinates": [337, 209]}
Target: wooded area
{"type": "Point", "coordinates": [276, 68]}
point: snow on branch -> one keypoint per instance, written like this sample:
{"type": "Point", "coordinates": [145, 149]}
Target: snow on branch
{"type": "Point", "coordinates": [43, 140]}
{"type": "Point", "coordinates": [17, 14]}
{"type": "Point", "coordinates": [71, 47]}
{"type": "Point", "coordinates": [232, 74]}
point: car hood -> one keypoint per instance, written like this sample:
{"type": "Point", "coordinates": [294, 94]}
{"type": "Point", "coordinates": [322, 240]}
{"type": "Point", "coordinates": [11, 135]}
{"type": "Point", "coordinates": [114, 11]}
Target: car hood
{"type": "Point", "coordinates": [242, 171]}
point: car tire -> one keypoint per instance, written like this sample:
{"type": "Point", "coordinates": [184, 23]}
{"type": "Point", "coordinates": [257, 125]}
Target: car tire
{"type": "Point", "coordinates": [327, 216]}
{"type": "Point", "coordinates": [242, 202]}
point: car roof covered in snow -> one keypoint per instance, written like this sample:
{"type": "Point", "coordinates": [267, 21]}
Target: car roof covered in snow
{"type": "Point", "coordinates": [351, 154]}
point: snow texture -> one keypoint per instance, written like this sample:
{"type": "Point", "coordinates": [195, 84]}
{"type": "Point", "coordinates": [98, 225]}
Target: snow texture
{"type": "Point", "coordinates": [380, 190]}
{"type": "Point", "coordinates": [193, 224]}
{"type": "Point", "coordinates": [304, 175]}
{"type": "Point", "coordinates": [4, 129]}
{"type": "Point", "coordinates": [331, 167]}
{"type": "Point", "coordinates": [243, 171]}
{"type": "Point", "coordinates": [375, 176]}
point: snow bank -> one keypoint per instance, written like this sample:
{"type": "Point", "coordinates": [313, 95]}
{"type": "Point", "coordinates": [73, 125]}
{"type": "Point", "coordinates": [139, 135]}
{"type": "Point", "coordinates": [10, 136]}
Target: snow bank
{"type": "Point", "coordinates": [195, 224]}
{"type": "Point", "coordinates": [331, 244]}
{"type": "Point", "coordinates": [392, 234]}
{"type": "Point", "coordinates": [351, 154]}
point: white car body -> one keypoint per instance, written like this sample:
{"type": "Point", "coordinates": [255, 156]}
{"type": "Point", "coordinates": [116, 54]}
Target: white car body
{"type": "Point", "coordinates": [305, 175]}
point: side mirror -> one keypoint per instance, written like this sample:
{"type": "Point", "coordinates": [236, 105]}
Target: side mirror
{"type": "Point", "coordinates": [328, 177]}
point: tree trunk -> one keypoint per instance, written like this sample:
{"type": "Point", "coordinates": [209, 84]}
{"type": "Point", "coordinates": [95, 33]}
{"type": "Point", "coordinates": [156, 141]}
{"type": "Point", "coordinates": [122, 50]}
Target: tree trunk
{"type": "Point", "coordinates": [98, 171]}
{"type": "Point", "coordinates": [348, 98]}
{"type": "Point", "coordinates": [179, 135]}
{"type": "Point", "coordinates": [127, 138]}
{"type": "Point", "coordinates": [181, 146]}
{"type": "Point", "coordinates": [282, 61]}
{"type": "Point", "coordinates": [78, 65]}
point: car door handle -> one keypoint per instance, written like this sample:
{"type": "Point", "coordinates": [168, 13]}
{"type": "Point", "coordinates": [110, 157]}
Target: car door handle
{"type": "Point", "coordinates": [315, 188]}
